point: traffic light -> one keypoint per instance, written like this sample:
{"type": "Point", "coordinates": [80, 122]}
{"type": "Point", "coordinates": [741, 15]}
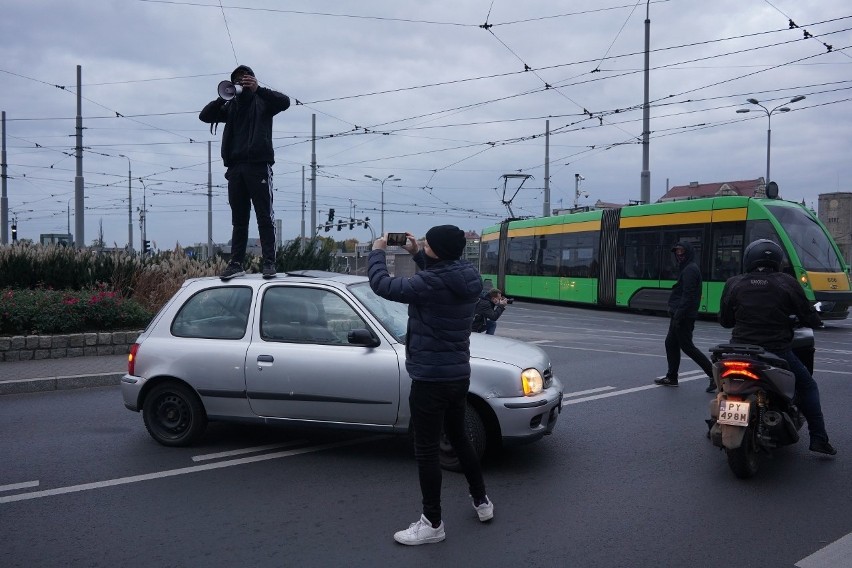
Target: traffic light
{"type": "Point", "coordinates": [146, 247]}
{"type": "Point", "coordinates": [327, 227]}
{"type": "Point", "coordinates": [340, 225]}
{"type": "Point", "coordinates": [330, 215]}
{"type": "Point", "coordinates": [14, 232]}
{"type": "Point", "coordinates": [351, 223]}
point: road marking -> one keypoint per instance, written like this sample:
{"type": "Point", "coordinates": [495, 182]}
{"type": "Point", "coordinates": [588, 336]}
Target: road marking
{"type": "Point", "coordinates": [684, 377]}
{"type": "Point", "coordinates": [243, 451]}
{"type": "Point", "coordinates": [606, 351]}
{"type": "Point", "coordinates": [590, 391]}
{"type": "Point", "coordinates": [14, 486]}
{"type": "Point", "coordinates": [838, 553]}
{"type": "Point", "coordinates": [835, 372]}
{"type": "Point", "coordinates": [181, 471]}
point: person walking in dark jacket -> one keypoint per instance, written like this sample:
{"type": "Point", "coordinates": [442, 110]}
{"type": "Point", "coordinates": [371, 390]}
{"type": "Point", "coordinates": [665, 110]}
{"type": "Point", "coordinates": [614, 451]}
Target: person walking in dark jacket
{"type": "Point", "coordinates": [489, 308]}
{"type": "Point", "coordinates": [683, 311]}
{"type": "Point", "coordinates": [440, 297]}
{"type": "Point", "coordinates": [247, 153]}
{"type": "Point", "coordinates": [758, 305]}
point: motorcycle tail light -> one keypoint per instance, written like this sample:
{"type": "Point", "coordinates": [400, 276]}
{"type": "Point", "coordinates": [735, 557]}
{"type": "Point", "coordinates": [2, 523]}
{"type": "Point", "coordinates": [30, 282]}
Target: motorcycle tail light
{"type": "Point", "coordinates": [131, 359]}
{"type": "Point", "coordinates": [738, 368]}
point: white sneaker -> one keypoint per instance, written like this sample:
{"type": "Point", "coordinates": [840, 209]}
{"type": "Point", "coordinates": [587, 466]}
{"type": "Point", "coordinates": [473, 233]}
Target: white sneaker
{"type": "Point", "coordinates": [485, 512]}
{"type": "Point", "coordinates": [421, 532]}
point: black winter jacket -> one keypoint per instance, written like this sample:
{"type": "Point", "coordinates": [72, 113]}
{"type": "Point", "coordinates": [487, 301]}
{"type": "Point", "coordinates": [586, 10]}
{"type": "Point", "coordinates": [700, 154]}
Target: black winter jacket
{"type": "Point", "coordinates": [247, 136]}
{"type": "Point", "coordinates": [486, 310]}
{"type": "Point", "coordinates": [686, 292]}
{"type": "Point", "coordinates": [758, 305]}
{"type": "Point", "coordinates": [440, 297]}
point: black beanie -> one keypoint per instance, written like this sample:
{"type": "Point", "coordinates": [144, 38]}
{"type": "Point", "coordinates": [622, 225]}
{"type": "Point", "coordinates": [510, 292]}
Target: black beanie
{"type": "Point", "coordinates": [245, 68]}
{"type": "Point", "coordinates": [446, 241]}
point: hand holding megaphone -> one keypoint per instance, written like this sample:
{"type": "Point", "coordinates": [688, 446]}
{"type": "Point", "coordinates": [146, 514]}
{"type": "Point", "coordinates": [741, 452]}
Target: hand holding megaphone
{"type": "Point", "coordinates": [228, 90]}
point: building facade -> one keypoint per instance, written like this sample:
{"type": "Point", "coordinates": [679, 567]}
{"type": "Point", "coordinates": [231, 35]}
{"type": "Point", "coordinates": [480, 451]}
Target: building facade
{"type": "Point", "coordinates": [835, 212]}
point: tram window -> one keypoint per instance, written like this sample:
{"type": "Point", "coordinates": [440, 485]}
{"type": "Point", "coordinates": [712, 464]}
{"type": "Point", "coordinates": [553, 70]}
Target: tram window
{"type": "Point", "coordinates": [763, 229]}
{"type": "Point", "coordinates": [488, 259]}
{"type": "Point", "coordinates": [812, 245]}
{"type": "Point", "coordinates": [579, 255]}
{"type": "Point", "coordinates": [641, 255]}
{"type": "Point", "coordinates": [520, 252]}
{"type": "Point", "coordinates": [547, 255]}
{"type": "Point", "coordinates": [727, 250]}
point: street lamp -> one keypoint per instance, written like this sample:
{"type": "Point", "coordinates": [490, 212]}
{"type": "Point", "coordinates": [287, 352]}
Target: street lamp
{"type": "Point", "coordinates": [129, 207]}
{"type": "Point", "coordinates": [382, 181]}
{"type": "Point", "coordinates": [779, 108]}
{"type": "Point", "coordinates": [577, 179]}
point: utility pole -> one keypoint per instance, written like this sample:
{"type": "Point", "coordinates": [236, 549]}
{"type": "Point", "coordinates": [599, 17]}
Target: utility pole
{"type": "Point", "coordinates": [546, 169]}
{"type": "Point", "coordinates": [313, 171]}
{"type": "Point", "coordinates": [209, 200]}
{"type": "Point", "coordinates": [4, 200]}
{"type": "Point", "coordinates": [79, 237]}
{"type": "Point", "coordinates": [129, 206]}
{"type": "Point", "coordinates": [645, 176]}
{"type": "Point", "coordinates": [302, 207]}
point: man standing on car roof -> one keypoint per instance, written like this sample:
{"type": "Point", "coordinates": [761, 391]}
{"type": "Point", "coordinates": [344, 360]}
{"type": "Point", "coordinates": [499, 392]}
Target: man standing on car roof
{"type": "Point", "coordinates": [247, 153]}
{"type": "Point", "coordinates": [441, 297]}
{"type": "Point", "coordinates": [683, 311]}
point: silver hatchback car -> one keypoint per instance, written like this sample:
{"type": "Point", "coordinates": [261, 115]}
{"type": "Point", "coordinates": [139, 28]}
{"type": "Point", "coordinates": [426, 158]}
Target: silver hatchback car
{"type": "Point", "coordinates": [316, 348]}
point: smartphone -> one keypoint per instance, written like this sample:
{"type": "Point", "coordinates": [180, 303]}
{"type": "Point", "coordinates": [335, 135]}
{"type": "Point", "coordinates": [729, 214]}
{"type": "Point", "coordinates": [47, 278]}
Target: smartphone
{"type": "Point", "coordinates": [397, 239]}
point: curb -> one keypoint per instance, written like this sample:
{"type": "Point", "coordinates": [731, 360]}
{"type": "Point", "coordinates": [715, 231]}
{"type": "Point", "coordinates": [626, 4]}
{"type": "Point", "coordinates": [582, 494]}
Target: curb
{"type": "Point", "coordinates": [44, 384]}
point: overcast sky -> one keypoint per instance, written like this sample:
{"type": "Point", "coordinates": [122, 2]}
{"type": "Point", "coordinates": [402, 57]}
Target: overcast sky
{"type": "Point", "coordinates": [432, 92]}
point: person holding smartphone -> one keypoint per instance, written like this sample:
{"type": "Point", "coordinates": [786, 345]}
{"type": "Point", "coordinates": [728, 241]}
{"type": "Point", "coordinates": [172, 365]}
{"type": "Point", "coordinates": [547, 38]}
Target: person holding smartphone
{"type": "Point", "coordinates": [441, 297]}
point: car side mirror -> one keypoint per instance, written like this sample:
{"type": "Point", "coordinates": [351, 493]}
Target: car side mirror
{"type": "Point", "coordinates": [362, 337]}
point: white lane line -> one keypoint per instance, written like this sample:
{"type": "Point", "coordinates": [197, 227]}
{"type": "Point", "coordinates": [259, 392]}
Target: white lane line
{"type": "Point", "coordinates": [15, 486]}
{"type": "Point", "coordinates": [180, 471]}
{"type": "Point", "coordinates": [829, 371]}
{"type": "Point", "coordinates": [838, 553]}
{"type": "Point", "coordinates": [682, 379]}
{"type": "Point", "coordinates": [590, 391]}
{"type": "Point", "coordinates": [607, 351]}
{"type": "Point", "coordinates": [243, 451]}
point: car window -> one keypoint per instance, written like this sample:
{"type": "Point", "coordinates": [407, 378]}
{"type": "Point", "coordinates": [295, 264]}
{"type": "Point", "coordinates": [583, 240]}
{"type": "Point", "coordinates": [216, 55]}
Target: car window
{"type": "Point", "coordinates": [214, 313]}
{"type": "Point", "coordinates": [392, 315]}
{"type": "Point", "coordinates": [307, 315]}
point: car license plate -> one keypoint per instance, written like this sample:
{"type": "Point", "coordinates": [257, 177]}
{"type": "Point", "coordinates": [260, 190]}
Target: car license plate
{"type": "Point", "coordinates": [733, 412]}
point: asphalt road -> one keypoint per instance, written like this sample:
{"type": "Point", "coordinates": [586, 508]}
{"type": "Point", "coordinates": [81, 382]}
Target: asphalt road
{"type": "Point", "coordinates": [627, 479]}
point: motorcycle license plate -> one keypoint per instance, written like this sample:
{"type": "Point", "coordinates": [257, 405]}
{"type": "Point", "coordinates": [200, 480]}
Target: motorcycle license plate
{"type": "Point", "coordinates": [733, 413]}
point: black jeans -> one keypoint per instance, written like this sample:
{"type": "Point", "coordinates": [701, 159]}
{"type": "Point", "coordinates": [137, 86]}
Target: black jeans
{"type": "Point", "coordinates": [807, 395]}
{"type": "Point", "coordinates": [679, 339]}
{"type": "Point", "coordinates": [251, 184]}
{"type": "Point", "coordinates": [435, 405]}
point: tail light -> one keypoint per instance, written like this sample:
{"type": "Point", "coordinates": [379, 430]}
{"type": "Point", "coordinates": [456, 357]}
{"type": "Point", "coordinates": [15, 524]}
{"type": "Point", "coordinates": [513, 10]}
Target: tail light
{"type": "Point", "coordinates": [738, 368]}
{"type": "Point", "coordinates": [131, 359]}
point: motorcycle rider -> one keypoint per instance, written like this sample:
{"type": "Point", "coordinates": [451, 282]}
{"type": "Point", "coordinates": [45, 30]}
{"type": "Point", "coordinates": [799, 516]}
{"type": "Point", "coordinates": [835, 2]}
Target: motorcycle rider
{"type": "Point", "coordinates": [757, 305]}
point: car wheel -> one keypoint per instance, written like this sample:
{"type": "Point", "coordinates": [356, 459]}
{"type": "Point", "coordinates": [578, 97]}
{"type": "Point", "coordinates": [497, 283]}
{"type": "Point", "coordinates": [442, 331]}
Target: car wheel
{"type": "Point", "coordinates": [173, 414]}
{"type": "Point", "coordinates": [476, 434]}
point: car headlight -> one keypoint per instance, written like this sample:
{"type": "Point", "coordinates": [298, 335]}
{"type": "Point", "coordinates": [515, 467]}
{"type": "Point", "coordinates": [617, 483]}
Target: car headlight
{"type": "Point", "coordinates": [532, 381]}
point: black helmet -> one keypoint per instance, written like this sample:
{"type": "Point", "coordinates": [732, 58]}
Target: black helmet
{"type": "Point", "coordinates": [763, 252]}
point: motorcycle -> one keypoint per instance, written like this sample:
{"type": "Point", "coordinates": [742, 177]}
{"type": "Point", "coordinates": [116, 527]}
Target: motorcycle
{"type": "Point", "coordinates": [754, 411]}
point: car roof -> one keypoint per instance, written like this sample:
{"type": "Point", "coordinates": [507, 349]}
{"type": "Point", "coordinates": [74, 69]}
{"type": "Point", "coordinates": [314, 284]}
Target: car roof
{"type": "Point", "coordinates": [295, 276]}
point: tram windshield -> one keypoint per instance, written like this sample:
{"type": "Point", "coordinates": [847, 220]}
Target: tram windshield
{"type": "Point", "coordinates": [812, 245]}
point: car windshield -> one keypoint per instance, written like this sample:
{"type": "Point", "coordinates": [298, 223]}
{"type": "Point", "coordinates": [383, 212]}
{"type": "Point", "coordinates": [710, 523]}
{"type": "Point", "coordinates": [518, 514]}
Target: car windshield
{"type": "Point", "coordinates": [392, 315]}
{"type": "Point", "coordinates": [811, 243]}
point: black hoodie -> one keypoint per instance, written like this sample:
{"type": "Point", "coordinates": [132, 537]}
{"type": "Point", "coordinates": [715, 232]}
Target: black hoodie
{"type": "Point", "coordinates": [686, 293]}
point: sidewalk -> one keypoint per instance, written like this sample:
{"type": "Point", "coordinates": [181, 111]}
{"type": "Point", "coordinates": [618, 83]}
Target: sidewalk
{"type": "Point", "coordinates": [64, 373]}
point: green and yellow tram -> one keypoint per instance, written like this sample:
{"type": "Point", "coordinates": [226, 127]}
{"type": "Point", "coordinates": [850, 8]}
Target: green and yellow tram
{"type": "Point", "coordinates": [621, 257]}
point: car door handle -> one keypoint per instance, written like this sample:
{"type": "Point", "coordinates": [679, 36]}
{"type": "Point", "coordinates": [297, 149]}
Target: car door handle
{"type": "Point", "coordinates": [265, 359]}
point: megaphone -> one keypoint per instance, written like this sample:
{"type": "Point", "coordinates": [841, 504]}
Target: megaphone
{"type": "Point", "coordinates": [228, 90]}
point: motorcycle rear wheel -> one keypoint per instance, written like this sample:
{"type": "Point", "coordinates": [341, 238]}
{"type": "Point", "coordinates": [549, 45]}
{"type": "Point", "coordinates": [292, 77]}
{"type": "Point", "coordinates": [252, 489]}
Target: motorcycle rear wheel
{"type": "Point", "coordinates": [743, 460]}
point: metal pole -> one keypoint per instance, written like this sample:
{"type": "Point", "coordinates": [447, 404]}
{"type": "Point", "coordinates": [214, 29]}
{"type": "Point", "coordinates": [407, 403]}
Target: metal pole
{"type": "Point", "coordinates": [4, 200]}
{"type": "Point", "coordinates": [79, 236]}
{"type": "Point", "coordinates": [768, 144]}
{"type": "Point", "coordinates": [209, 200]}
{"type": "Point", "coordinates": [313, 172]}
{"type": "Point", "coordinates": [383, 206]}
{"type": "Point", "coordinates": [129, 206]}
{"type": "Point", "coordinates": [645, 176]}
{"type": "Point", "coordinates": [302, 242]}
{"type": "Point", "coordinates": [546, 212]}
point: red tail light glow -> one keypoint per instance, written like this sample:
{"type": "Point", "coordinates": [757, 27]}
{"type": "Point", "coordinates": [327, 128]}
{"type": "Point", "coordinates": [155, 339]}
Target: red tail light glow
{"type": "Point", "coordinates": [131, 359]}
{"type": "Point", "coordinates": [742, 368]}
